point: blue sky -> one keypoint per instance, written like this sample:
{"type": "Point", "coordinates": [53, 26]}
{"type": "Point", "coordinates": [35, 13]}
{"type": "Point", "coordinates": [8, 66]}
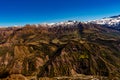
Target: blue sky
{"type": "Point", "coordinates": [20, 12]}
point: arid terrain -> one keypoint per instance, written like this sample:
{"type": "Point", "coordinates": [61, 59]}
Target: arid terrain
{"type": "Point", "coordinates": [67, 51]}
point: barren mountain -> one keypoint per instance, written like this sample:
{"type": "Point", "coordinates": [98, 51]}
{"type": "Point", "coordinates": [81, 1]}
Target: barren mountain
{"type": "Point", "coordinates": [60, 50]}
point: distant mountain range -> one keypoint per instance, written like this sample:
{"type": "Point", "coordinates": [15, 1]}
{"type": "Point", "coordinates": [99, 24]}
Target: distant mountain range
{"type": "Point", "coordinates": [111, 22]}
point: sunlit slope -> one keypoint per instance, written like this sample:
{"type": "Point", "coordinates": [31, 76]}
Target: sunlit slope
{"type": "Point", "coordinates": [60, 50]}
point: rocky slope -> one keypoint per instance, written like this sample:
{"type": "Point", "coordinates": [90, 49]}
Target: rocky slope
{"type": "Point", "coordinates": [60, 50]}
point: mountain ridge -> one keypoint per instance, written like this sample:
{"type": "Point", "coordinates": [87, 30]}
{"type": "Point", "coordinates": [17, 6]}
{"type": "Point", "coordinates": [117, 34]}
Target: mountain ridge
{"type": "Point", "coordinates": [60, 50]}
{"type": "Point", "coordinates": [111, 22]}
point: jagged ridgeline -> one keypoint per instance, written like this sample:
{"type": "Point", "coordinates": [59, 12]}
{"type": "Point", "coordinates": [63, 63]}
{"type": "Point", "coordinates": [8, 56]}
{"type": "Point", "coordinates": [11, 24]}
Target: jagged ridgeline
{"type": "Point", "coordinates": [60, 50]}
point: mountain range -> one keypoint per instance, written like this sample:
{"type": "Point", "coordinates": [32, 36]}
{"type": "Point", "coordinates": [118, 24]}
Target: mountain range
{"type": "Point", "coordinates": [68, 50]}
{"type": "Point", "coordinates": [111, 22]}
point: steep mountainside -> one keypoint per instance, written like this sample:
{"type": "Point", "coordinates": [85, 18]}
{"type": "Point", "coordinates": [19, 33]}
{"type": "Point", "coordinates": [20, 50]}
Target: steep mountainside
{"type": "Point", "coordinates": [111, 22]}
{"type": "Point", "coordinates": [60, 50]}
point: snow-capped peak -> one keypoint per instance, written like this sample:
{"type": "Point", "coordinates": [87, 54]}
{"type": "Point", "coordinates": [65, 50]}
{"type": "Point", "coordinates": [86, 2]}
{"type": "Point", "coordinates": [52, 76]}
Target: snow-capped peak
{"type": "Point", "coordinates": [69, 22]}
{"type": "Point", "coordinates": [113, 21]}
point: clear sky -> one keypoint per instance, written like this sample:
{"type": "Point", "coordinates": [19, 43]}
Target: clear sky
{"type": "Point", "coordinates": [20, 12]}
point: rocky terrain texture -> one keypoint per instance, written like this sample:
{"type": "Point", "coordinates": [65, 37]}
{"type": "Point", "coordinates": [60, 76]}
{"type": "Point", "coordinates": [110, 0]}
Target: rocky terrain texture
{"type": "Point", "coordinates": [65, 49]}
